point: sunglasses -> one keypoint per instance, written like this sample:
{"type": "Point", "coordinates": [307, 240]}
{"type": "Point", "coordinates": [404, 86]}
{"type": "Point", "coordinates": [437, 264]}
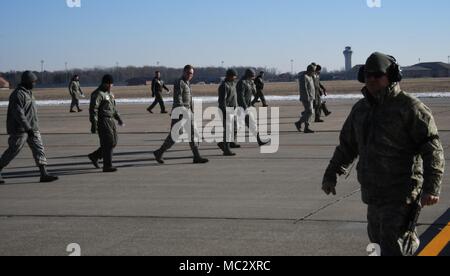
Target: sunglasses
{"type": "Point", "coordinates": [376, 75]}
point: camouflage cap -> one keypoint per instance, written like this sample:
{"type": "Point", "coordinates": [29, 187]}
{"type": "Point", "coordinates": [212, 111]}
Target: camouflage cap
{"type": "Point", "coordinates": [107, 79]}
{"type": "Point", "coordinates": [28, 77]}
{"type": "Point", "coordinates": [378, 62]}
{"type": "Point", "coordinates": [311, 68]}
{"type": "Point", "coordinates": [232, 73]}
{"type": "Point", "coordinates": [250, 73]}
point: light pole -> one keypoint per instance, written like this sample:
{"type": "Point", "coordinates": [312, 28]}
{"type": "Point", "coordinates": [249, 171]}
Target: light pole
{"type": "Point", "coordinates": [292, 66]}
{"type": "Point", "coordinates": [42, 71]}
{"type": "Point", "coordinates": [67, 72]}
{"type": "Point", "coordinates": [117, 70]}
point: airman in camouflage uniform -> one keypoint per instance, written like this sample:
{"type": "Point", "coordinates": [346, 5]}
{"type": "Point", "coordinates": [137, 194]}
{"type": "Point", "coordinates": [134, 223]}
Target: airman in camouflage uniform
{"type": "Point", "coordinates": [75, 92]}
{"type": "Point", "coordinates": [259, 83]}
{"type": "Point", "coordinates": [102, 113]}
{"type": "Point", "coordinates": [245, 89]}
{"type": "Point", "coordinates": [182, 98]}
{"type": "Point", "coordinates": [158, 86]}
{"type": "Point", "coordinates": [227, 99]}
{"type": "Point", "coordinates": [319, 104]}
{"type": "Point", "coordinates": [23, 127]}
{"type": "Point", "coordinates": [400, 155]}
{"type": "Point", "coordinates": [307, 96]}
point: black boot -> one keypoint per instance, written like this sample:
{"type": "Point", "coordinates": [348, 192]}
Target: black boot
{"type": "Point", "coordinates": [317, 118]}
{"type": "Point", "coordinates": [149, 109]}
{"type": "Point", "coordinates": [261, 142]}
{"type": "Point", "coordinates": [308, 130]}
{"type": "Point", "coordinates": [197, 158]}
{"type": "Point", "coordinates": [298, 125]}
{"type": "Point", "coordinates": [94, 161]}
{"type": "Point", "coordinates": [234, 145]}
{"type": "Point", "coordinates": [109, 170]}
{"type": "Point", "coordinates": [225, 147]}
{"type": "Point", "coordinates": [159, 156]}
{"type": "Point", "coordinates": [264, 103]}
{"type": "Point", "coordinates": [325, 110]}
{"type": "Point", "coordinates": [221, 146]}
{"type": "Point", "coordinates": [45, 176]}
{"type": "Point", "coordinates": [108, 153]}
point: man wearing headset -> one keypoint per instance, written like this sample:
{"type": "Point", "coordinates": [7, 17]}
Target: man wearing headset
{"type": "Point", "coordinates": [401, 158]}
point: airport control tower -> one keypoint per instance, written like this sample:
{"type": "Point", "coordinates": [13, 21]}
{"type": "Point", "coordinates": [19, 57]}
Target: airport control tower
{"type": "Point", "coordinates": [348, 58]}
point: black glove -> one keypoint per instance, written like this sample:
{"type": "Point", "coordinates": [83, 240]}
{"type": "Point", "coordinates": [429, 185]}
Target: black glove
{"type": "Point", "coordinates": [329, 181]}
{"type": "Point", "coordinates": [93, 129]}
{"type": "Point", "coordinates": [30, 133]}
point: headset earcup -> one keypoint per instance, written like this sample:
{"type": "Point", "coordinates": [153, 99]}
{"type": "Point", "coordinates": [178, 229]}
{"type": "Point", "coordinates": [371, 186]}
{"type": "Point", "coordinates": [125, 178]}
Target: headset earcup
{"type": "Point", "coordinates": [362, 74]}
{"type": "Point", "coordinates": [395, 73]}
{"type": "Point", "coordinates": [399, 74]}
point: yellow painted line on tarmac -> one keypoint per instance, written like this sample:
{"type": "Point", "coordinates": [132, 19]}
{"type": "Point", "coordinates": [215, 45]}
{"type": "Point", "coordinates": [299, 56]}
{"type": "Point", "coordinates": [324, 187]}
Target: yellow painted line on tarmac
{"type": "Point", "coordinates": [438, 244]}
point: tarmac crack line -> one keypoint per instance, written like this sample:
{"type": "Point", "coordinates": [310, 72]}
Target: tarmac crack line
{"type": "Point", "coordinates": [305, 218]}
{"type": "Point", "coordinates": [296, 221]}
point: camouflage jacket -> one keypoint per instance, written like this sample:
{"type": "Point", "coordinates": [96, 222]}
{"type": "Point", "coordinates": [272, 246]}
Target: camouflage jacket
{"type": "Point", "coordinates": [182, 94]}
{"type": "Point", "coordinates": [245, 89]}
{"type": "Point", "coordinates": [259, 82]}
{"type": "Point", "coordinates": [157, 86]}
{"type": "Point", "coordinates": [227, 95]}
{"type": "Point", "coordinates": [319, 89]}
{"type": "Point", "coordinates": [397, 142]}
{"type": "Point", "coordinates": [75, 89]}
{"type": "Point", "coordinates": [102, 106]}
{"type": "Point", "coordinates": [307, 88]}
{"type": "Point", "coordinates": [22, 113]}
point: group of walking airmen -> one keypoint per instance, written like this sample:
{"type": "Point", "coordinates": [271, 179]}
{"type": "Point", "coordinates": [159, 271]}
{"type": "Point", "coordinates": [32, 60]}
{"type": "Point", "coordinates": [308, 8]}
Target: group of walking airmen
{"type": "Point", "coordinates": [394, 135]}
{"type": "Point", "coordinates": [312, 94]}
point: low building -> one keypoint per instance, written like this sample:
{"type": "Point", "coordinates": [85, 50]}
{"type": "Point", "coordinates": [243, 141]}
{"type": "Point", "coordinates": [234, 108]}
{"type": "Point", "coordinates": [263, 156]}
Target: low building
{"type": "Point", "coordinates": [438, 69]}
{"type": "Point", "coordinates": [411, 72]}
{"type": "Point", "coordinates": [138, 82]}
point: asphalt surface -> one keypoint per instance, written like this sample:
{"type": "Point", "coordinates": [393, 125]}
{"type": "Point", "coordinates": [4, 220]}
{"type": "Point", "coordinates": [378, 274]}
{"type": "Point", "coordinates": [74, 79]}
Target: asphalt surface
{"type": "Point", "coordinates": [251, 204]}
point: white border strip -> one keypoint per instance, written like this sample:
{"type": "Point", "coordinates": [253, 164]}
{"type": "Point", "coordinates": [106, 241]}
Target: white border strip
{"type": "Point", "coordinates": [211, 99]}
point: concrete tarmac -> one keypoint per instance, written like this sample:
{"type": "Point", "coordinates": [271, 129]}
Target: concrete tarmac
{"type": "Point", "coordinates": [251, 204]}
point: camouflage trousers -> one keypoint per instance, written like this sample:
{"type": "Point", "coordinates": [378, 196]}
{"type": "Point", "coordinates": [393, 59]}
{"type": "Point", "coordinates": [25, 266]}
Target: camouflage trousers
{"type": "Point", "coordinates": [318, 107]}
{"type": "Point", "coordinates": [75, 103]}
{"type": "Point", "coordinates": [107, 133]}
{"type": "Point", "coordinates": [170, 142]}
{"type": "Point", "coordinates": [259, 95]}
{"type": "Point", "coordinates": [16, 143]}
{"type": "Point", "coordinates": [307, 115]}
{"type": "Point", "coordinates": [388, 228]}
{"type": "Point", "coordinates": [158, 100]}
